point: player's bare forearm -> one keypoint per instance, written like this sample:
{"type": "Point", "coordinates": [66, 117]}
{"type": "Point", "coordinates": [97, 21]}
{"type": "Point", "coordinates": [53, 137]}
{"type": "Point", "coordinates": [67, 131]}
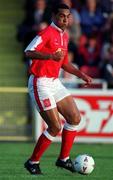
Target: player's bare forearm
{"type": "Point", "coordinates": [56, 56]}
{"type": "Point", "coordinates": [37, 55]}
{"type": "Point", "coordinates": [75, 71]}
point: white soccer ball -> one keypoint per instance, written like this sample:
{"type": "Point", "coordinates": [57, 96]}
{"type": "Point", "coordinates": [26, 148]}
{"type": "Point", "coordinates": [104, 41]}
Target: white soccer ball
{"type": "Point", "coordinates": [84, 164]}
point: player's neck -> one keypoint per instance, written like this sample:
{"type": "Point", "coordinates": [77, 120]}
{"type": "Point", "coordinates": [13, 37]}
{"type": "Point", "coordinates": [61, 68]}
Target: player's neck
{"type": "Point", "coordinates": [54, 24]}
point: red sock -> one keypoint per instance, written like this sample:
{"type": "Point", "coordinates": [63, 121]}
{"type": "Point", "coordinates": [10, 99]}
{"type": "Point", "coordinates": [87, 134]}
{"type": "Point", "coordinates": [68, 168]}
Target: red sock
{"type": "Point", "coordinates": [41, 146]}
{"type": "Point", "coordinates": [67, 142]}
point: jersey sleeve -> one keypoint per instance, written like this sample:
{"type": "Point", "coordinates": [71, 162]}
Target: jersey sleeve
{"type": "Point", "coordinates": [39, 41]}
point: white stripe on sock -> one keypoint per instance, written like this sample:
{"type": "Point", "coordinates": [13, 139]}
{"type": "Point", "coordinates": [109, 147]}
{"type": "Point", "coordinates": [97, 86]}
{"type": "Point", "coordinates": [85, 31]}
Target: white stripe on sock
{"type": "Point", "coordinates": [70, 127]}
{"type": "Point", "coordinates": [48, 135]}
{"type": "Point", "coordinates": [33, 162]}
{"type": "Point", "coordinates": [65, 159]}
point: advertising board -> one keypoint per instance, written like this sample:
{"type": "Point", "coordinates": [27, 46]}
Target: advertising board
{"type": "Point", "coordinates": [96, 109]}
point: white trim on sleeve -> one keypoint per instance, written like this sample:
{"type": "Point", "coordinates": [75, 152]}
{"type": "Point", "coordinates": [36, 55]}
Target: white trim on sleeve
{"type": "Point", "coordinates": [33, 44]}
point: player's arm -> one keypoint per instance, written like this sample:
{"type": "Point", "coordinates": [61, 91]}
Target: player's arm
{"type": "Point", "coordinates": [33, 50]}
{"type": "Point", "coordinates": [75, 71]}
{"type": "Point", "coordinates": [33, 54]}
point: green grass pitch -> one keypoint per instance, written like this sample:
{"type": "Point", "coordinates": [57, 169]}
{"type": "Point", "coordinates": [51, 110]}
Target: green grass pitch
{"type": "Point", "coordinates": [13, 155]}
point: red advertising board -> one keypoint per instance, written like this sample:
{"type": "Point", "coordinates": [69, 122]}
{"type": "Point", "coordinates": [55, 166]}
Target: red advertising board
{"type": "Point", "coordinates": [96, 108]}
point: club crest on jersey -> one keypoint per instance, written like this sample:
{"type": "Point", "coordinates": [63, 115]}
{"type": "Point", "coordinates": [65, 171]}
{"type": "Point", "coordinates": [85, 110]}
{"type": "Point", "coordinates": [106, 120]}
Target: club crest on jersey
{"type": "Point", "coordinates": [46, 102]}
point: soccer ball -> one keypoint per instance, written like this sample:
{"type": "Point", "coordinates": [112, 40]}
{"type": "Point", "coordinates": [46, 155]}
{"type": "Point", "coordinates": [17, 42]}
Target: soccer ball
{"type": "Point", "coordinates": [84, 164]}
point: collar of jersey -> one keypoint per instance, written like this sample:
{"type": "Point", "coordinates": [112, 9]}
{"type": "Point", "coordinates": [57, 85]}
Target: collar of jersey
{"type": "Point", "coordinates": [56, 27]}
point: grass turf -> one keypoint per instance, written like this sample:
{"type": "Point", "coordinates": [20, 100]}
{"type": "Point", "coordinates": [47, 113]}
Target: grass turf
{"type": "Point", "coordinates": [13, 156]}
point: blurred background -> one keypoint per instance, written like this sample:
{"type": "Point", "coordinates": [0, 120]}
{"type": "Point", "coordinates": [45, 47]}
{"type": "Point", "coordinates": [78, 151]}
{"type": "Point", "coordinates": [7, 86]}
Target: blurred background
{"type": "Point", "coordinates": [90, 49]}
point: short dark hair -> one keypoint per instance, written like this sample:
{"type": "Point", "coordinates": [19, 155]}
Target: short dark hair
{"type": "Point", "coordinates": [60, 6]}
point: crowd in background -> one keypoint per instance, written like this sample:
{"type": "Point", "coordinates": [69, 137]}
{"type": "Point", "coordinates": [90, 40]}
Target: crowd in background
{"type": "Point", "coordinates": [90, 31]}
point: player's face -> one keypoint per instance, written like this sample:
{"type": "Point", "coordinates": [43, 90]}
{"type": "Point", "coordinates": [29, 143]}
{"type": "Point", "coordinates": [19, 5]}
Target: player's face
{"type": "Point", "coordinates": [62, 18]}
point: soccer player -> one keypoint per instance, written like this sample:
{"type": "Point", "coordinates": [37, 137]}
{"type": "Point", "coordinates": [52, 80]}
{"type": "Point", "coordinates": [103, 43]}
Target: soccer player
{"type": "Point", "coordinates": [48, 52]}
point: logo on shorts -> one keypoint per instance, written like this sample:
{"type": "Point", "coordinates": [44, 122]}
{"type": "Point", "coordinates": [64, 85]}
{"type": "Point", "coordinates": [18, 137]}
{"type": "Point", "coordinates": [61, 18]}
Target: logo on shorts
{"type": "Point", "coordinates": [46, 102]}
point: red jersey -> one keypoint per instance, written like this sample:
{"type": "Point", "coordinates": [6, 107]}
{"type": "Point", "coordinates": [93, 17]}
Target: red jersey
{"type": "Point", "coordinates": [48, 41]}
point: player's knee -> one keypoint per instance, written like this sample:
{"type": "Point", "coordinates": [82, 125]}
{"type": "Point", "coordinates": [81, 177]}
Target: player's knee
{"type": "Point", "coordinates": [75, 118]}
{"type": "Point", "coordinates": [55, 129]}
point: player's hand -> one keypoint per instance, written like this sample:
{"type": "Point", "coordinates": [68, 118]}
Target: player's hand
{"type": "Point", "coordinates": [88, 80]}
{"type": "Point", "coordinates": [58, 55]}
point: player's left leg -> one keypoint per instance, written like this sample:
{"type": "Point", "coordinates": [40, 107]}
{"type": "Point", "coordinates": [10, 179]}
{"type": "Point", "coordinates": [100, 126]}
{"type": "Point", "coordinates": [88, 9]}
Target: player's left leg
{"type": "Point", "coordinates": [70, 112]}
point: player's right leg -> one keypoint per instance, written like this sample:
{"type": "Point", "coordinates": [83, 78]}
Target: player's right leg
{"type": "Point", "coordinates": [49, 113]}
{"type": "Point", "coordinates": [51, 117]}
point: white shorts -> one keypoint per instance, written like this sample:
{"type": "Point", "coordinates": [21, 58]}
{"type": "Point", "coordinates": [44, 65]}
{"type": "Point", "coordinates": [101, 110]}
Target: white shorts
{"type": "Point", "coordinates": [46, 92]}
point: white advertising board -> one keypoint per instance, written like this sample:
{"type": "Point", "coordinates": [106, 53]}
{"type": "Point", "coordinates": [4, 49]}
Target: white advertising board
{"type": "Point", "coordinates": [96, 108]}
